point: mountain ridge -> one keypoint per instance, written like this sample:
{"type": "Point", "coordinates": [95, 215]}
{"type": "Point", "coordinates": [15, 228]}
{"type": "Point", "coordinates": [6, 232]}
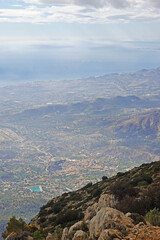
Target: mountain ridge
{"type": "Point", "coordinates": [111, 209]}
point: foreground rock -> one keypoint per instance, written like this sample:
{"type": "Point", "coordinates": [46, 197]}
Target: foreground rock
{"type": "Point", "coordinates": [108, 218]}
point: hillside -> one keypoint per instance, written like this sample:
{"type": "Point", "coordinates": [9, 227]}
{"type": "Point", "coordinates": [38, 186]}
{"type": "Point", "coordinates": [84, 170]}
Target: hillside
{"type": "Point", "coordinates": [113, 208]}
{"type": "Point", "coordinates": [147, 124]}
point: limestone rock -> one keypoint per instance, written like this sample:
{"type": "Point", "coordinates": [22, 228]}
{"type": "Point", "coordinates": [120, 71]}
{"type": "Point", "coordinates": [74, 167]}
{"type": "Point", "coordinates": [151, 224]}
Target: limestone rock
{"type": "Point", "coordinates": [30, 238]}
{"type": "Point", "coordinates": [80, 235]}
{"type": "Point", "coordinates": [108, 218]}
{"type": "Point", "coordinates": [91, 212]}
{"type": "Point", "coordinates": [144, 232]}
{"type": "Point", "coordinates": [65, 234]}
{"type": "Point", "coordinates": [110, 234]}
{"type": "Point", "coordinates": [50, 237]}
{"type": "Point", "coordinates": [107, 200]}
{"type": "Point", "coordinates": [75, 227]}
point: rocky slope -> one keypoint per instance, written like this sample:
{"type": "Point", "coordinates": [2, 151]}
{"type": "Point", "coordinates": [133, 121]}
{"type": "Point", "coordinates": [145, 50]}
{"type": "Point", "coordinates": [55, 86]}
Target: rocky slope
{"type": "Point", "coordinates": [147, 124]}
{"type": "Point", "coordinates": [111, 209]}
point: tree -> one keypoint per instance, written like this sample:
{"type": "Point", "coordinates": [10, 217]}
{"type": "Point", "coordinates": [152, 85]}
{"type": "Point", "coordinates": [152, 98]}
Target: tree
{"type": "Point", "coordinates": [14, 225]}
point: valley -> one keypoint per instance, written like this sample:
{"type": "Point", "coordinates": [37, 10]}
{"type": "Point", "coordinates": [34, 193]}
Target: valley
{"type": "Point", "coordinates": [63, 135]}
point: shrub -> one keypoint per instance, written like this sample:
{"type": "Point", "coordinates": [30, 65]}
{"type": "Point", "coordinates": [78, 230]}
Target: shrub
{"type": "Point", "coordinates": [121, 189]}
{"type": "Point", "coordinates": [131, 204]}
{"type": "Point", "coordinates": [104, 178]}
{"type": "Point", "coordinates": [58, 206]}
{"type": "Point", "coordinates": [42, 219]}
{"type": "Point", "coordinates": [96, 192]}
{"type": "Point", "coordinates": [142, 179]}
{"type": "Point", "coordinates": [43, 212]}
{"type": "Point", "coordinates": [153, 216]}
{"type": "Point", "coordinates": [75, 196]}
{"type": "Point", "coordinates": [137, 218]}
{"type": "Point", "coordinates": [58, 232]}
{"type": "Point", "coordinates": [69, 216]}
{"type": "Point", "coordinates": [87, 186]}
{"type": "Point", "coordinates": [38, 235]}
{"type": "Point", "coordinates": [120, 174]}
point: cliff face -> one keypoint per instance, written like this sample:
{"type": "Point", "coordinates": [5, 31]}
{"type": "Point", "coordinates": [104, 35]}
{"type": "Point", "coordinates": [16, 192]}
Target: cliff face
{"type": "Point", "coordinates": [111, 209]}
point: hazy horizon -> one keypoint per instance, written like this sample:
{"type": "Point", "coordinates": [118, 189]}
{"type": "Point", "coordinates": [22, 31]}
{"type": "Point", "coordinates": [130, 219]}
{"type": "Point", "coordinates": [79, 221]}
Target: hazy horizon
{"type": "Point", "coordinates": [44, 40]}
{"type": "Point", "coordinates": [55, 77]}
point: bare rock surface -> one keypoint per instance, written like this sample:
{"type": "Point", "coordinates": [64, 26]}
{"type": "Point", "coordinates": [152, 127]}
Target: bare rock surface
{"type": "Point", "coordinates": [107, 200]}
{"type": "Point", "coordinates": [65, 234]}
{"type": "Point", "coordinates": [91, 212]}
{"type": "Point", "coordinates": [110, 234]}
{"type": "Point", "coordinates": [80, 235]}
{"type": "Point", "coordinates": [108, 218]}
{"type": "Point", "coordinates": [75, 227]}
{"type": "Point", "coordinates": [50, 237]}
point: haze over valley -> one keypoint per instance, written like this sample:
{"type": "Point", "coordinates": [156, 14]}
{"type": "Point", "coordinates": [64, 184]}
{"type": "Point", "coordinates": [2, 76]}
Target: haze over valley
{"type": "Point", "coordinates": [62, 135]}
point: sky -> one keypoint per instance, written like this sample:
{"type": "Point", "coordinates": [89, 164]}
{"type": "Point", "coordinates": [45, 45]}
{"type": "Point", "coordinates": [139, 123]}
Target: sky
{"type": "Point", "coordinates": [43, 40]}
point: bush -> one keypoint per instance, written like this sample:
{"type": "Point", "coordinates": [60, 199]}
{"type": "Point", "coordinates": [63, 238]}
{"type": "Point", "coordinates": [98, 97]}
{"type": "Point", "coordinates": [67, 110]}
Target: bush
{"type": "Point", "coordinates": [120, 174]}
{"type": "Point", "coordinates": [69, 216]}
{"type": "Point", "coordinates": [153, 216]}
{"type": "Point", "coordinates": [96, 192]}
{"type": "Point", "coordinates": [137, 218]}
{"type": "Point", "coordinates": [42, 219]}
{"type": "Point", "coordinates": [132, 205]}
{"type": "Point", "coordinates": [121, 189]}
{"type": "Point", "coordinates": [38, 235]}
{"type": "Point", "coordinates": [145, 179]}
{"type": "Point", "coordinates": [58, 232]}
{"type": "Point", "coordinates": [104, 178]}
{"type": "Point", "coordinates": [87, 186]}
{"type": "Point", "coordinates": [75, 196]}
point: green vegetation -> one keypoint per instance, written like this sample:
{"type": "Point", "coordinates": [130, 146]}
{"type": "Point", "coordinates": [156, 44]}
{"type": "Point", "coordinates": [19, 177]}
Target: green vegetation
{"type": "Point", "coordinates": [153, 216]}
{"type": "Point", "coordinates": [39, 235]}
{"type": "Point", "coordinates": [14, 225]}
{"type": "Point", "coordinates": [58, 232]}
{"type": "Point", "coordinates": [68, 217]}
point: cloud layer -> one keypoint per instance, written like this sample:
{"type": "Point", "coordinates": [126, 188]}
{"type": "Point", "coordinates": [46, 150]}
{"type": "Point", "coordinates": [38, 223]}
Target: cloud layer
{"type": "Point", "coordinates": [100, 3]}
{"type": "Point", "coordinates": [82, 11]}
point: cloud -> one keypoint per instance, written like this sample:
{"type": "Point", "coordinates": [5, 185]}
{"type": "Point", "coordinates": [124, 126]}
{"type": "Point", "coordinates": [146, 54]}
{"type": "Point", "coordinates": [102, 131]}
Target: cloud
{"type": "Point", "coordinates": [91, 3]}
{"type": "Point", "coordinates": [154, 3]}
{"type": "Point", "coordinates": [82, 11]}
{"type": "Point", "coordinates": [100, 3]}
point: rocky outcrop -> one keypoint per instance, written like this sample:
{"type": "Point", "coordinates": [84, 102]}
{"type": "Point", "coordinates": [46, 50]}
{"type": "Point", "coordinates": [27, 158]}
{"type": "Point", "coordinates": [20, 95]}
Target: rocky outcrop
{"type": "Point", "coordinates": [109, 234]}
{"type": "Point", "coordinates": [107, 200]}
{"type": "Point", "coordinates": [91, 211]}
{"type": "Point", "coordinates": [108, 218]}
{"type": "Point", "coordinates": [50, 237]}
{"type": "Point", "coordinates": [80, 235]}
{"type": "Point", "coordinates": [65, 234]}
{"type": "Point", "coordinates": [75, 227]}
